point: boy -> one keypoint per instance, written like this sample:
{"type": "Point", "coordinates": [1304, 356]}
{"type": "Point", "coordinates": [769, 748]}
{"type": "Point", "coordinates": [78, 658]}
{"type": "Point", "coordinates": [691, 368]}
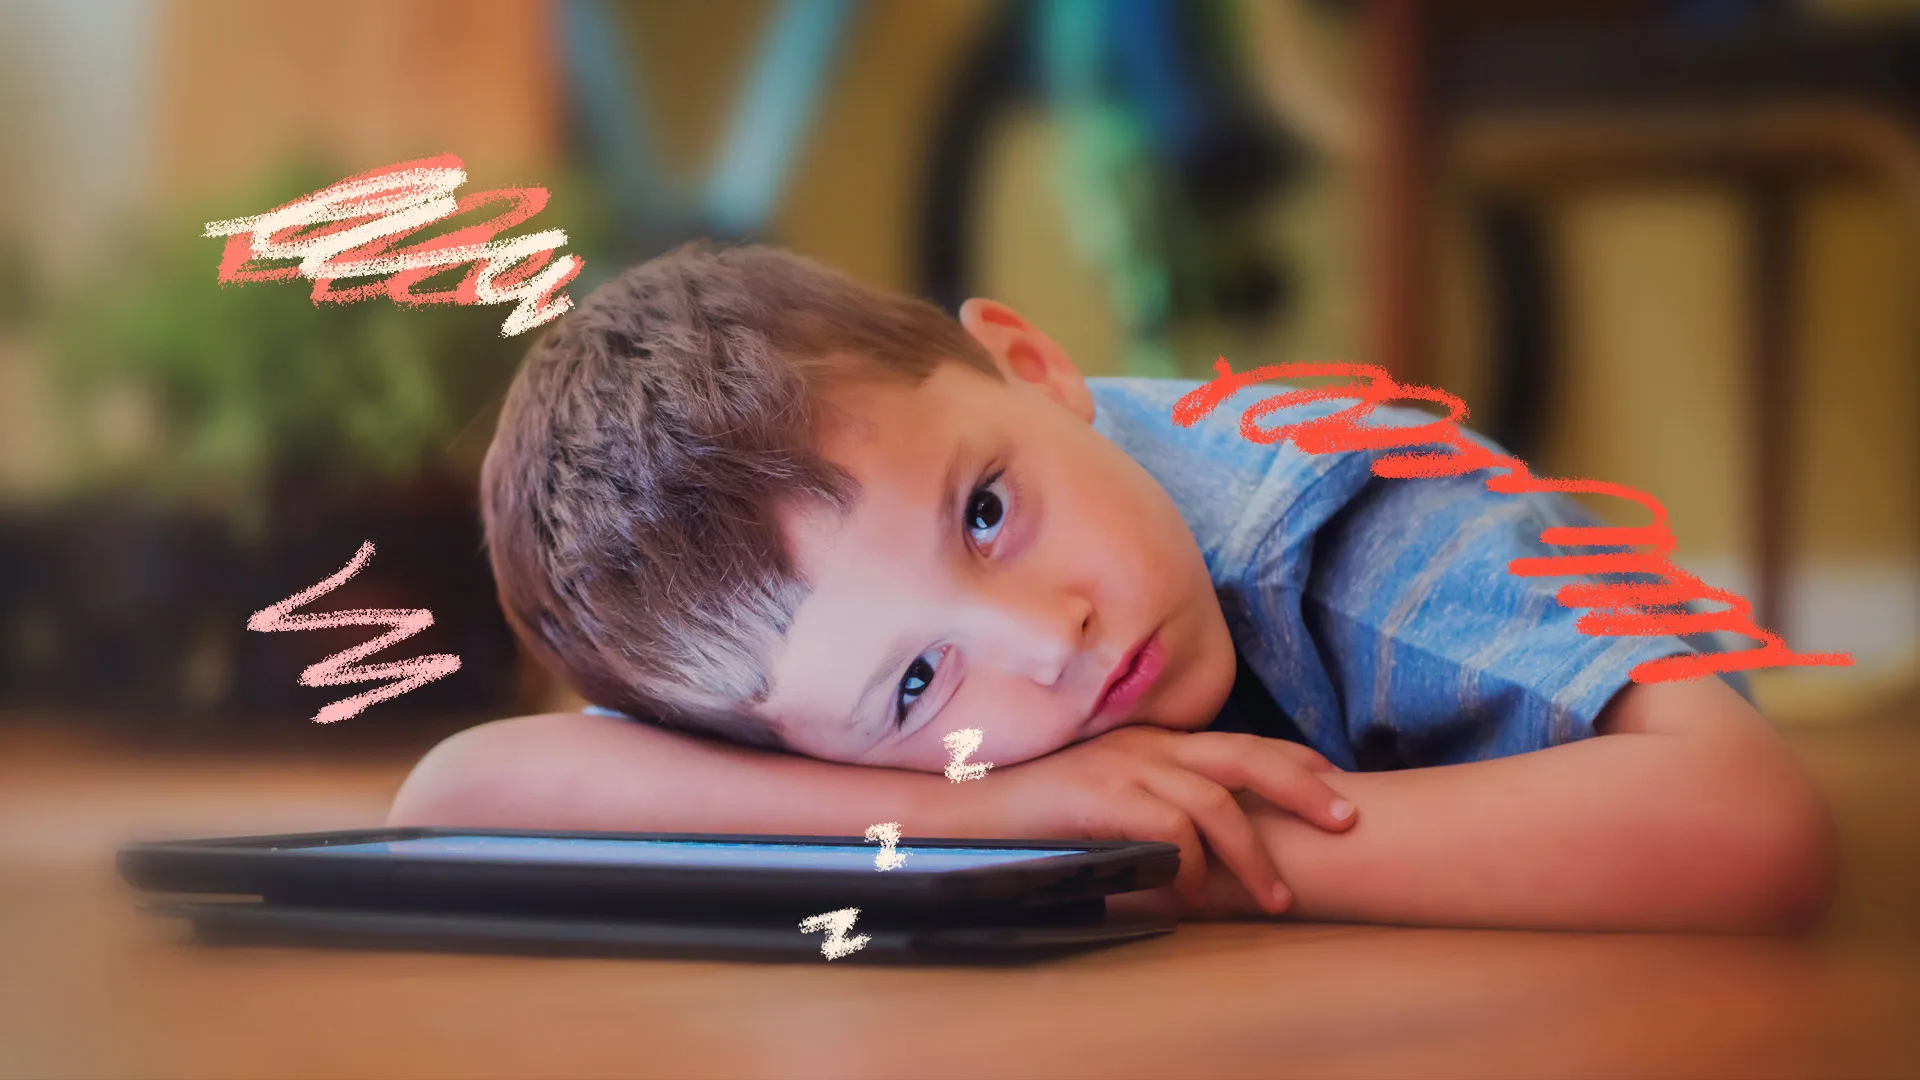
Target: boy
{"type": "Point", "coordinates": [807, 529]}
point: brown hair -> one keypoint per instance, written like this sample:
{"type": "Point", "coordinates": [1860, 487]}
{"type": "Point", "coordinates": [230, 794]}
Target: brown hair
{"type": "Point", "coordinates": [630, 490]}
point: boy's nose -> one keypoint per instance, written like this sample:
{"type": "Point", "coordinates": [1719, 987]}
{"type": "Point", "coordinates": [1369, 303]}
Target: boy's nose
{"type": "Point", "coordinates": [1038, 633]}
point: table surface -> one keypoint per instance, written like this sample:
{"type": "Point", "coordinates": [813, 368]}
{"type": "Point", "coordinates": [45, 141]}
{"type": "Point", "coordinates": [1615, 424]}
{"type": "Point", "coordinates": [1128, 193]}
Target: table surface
{"type": "Point", "coordinates": [90, 988]}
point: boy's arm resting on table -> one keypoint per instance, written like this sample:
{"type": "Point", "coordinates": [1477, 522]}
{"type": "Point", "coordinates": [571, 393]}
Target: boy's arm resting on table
{"type": "Point", "coordinates": [1686, 812]}
{"type": "Point", "coordinates": [566, 771]}
{"type": "Point", "coordinates": [578, 771]}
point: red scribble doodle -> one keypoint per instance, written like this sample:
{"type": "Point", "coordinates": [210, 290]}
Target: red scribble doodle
{"type": "Point", "coordinates": [348, 230]}
{"type": "Point", "coordinates": [1620, 609]}
{"type": "Point", "coordinates": [340, 669]}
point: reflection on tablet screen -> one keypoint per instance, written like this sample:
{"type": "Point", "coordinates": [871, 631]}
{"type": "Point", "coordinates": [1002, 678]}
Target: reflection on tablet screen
{"type": "Point", "coordinates": [562, 849]}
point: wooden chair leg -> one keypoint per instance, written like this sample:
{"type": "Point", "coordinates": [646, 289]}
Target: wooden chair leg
{"type": "Point", "coordinates": [1398, 176]}
{"type": "Point", "coordinates": [1773, 326]}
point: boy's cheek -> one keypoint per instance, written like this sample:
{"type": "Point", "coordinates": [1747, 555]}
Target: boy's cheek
{"type": "Point", "coordinates": [1012, 744]}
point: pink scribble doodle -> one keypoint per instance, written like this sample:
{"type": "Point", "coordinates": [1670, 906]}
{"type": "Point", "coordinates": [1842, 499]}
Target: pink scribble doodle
{"type": "Point", "coordinates": [341, 669]}
{"type": "Point", "coordinates": [349, 230]}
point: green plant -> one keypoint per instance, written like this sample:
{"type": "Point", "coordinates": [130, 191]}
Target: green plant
{"type": "Point", "coordinates": [253, 384]}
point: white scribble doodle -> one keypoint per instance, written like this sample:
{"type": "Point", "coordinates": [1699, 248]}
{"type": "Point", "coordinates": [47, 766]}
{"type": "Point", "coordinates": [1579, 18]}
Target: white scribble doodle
{"type": "Point", "coordinates": [836, 924]}
{"type": "Point", "coordinates": [887, 835]}
{"type": "Point", "coordinates": [960, 744]}
{"type": "Point", "coordinates": [348, 230]}
{"type": "Point", "coordinates": [343, 669]}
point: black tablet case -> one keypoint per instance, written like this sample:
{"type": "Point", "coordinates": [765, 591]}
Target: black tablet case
{"type": "Point", "coordinates": [1039, 935]}
{"type": "Point", "coordinates": [985, 915]}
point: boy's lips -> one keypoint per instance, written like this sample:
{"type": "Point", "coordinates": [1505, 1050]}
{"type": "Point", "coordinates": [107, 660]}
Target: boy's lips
{"type": "Point", "coordinates": [1130, 679]}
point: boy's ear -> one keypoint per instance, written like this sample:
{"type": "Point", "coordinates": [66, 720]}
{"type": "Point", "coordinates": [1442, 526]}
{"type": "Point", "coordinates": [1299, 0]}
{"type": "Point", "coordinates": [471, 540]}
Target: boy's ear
{"type": "Point", "coordinates": [1023, 353]}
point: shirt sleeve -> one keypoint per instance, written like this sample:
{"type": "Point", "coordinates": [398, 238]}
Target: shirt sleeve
{"type": "Point", "coordinates": [1434, 652]}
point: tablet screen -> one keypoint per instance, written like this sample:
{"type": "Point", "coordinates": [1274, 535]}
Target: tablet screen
{"type": "Point", "coordinates": [562, 849]}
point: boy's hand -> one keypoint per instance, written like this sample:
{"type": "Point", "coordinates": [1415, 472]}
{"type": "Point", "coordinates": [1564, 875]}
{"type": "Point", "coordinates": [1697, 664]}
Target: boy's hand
{"type": "Point", "coordinates": [1148, 783]}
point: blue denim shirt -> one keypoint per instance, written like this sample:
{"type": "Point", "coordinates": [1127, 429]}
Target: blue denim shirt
{"type": "Point", "coordinates": [1375, 618]}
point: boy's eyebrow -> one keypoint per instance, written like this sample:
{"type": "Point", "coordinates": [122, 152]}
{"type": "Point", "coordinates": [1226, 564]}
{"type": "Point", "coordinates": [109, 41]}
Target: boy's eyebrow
{"type": "Point", "coordinates": [946, 516]}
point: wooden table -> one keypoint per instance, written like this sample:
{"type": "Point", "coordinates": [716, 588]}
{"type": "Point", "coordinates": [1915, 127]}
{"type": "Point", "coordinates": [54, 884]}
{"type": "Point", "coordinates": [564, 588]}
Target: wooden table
{"type": "Point", "coordinates": [89, 988]}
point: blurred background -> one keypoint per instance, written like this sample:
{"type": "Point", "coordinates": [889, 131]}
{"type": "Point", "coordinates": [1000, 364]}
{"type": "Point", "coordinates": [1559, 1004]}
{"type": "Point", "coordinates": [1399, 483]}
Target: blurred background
{"type": "Point", "coordinates": [1663, 242]}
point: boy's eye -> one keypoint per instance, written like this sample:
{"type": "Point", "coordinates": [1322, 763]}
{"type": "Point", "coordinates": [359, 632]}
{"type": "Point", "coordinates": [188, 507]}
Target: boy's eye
{"type": "Point", "coordinates": [919, 676]}
{"type": "Point", "coordinates": [985, 514]}
{"type": "Point", "coordinates": [987, 510]}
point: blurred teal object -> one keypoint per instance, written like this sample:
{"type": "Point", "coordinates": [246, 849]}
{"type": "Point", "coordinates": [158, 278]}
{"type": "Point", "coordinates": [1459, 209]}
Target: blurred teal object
{"type": "Point", "coordinates": [611, 100]}
{"type": "Point", "coordinates": [773, 113]}
{"type": "Point", "coordinates": [1158, 158]}
{"type": "Point", "coordinates": [770, 119]}
{"type": "Point", "coordinates": [1102, 177]}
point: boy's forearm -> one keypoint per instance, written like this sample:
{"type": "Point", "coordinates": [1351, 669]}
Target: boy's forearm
{"type": "Point", "coordinates": [1618, 832]}
{"type": "Point", "coordinates": [782, 793]}
{"type": "Point", "coordinates": [570, 771]}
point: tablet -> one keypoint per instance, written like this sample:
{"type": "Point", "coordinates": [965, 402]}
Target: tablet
{"type": "Point", "coordinates": [1024, 934]}
{"type": "Point", "coordinates": [629, 874]}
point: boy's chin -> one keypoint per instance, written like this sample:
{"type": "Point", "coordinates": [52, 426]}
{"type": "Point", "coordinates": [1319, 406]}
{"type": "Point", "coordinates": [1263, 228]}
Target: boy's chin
{"type": "Point", "coordinates": [1208, 702]}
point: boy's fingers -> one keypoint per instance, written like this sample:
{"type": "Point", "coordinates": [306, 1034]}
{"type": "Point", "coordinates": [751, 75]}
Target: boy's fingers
{"type": "Point", "coordinates": [1221, 744]}
{"type": "Point", "coordinates": [1314, 760]}
{"type": "Point", "coordinates": [1191, 881]}
{"type": "Point", "coordinates": [1224, 825]}
{"type": "Point", "coordinates": [1228, 894]}
{"type": "Point", "coordinates": [1150, 818]}
{"type": "Point", "coordinates": [1236, 745]}
{"type": "Point", "coordinates": [1274, 776]}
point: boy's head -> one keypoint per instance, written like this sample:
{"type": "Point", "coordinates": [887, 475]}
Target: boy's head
{"type": "Point", "coordinates": [743, 494]}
